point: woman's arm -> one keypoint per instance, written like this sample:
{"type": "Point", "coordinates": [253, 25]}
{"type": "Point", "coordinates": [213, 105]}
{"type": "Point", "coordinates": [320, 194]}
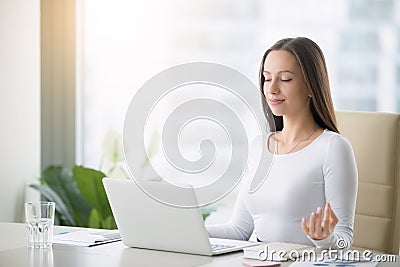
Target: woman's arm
{"type": "Point", "coordinates": [340, 175]}
{"type": "Point", "coordinates": [240, 226]}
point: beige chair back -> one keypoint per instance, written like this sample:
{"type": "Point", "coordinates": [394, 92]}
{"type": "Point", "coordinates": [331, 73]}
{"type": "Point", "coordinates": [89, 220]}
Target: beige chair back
{"type": "Point", "coordinates": [375, 138]}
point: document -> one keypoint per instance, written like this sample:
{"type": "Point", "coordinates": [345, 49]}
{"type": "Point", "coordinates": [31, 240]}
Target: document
{"type": "Point", "coordinates": [87, 238]}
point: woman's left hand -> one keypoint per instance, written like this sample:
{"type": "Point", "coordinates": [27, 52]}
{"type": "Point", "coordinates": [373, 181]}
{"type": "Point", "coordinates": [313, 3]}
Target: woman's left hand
{"type": "Point", "coordinates": [320, 228]}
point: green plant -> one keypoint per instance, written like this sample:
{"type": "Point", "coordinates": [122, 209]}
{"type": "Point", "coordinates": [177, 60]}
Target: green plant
{"type": "Point", "coordinates": [112, 156]}
{"type": "Point", "coordinates": [206, 211]}
{"type": "Point", "coordinates": [79, 196]}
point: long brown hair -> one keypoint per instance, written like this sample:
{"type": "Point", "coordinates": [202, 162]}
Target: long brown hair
{"type": "Point", "coordinates": [312, 64]}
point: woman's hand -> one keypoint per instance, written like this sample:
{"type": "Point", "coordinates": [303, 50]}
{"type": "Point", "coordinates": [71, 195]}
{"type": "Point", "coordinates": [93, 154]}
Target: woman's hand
{"type": "Point", "coordinates": [319, 228]}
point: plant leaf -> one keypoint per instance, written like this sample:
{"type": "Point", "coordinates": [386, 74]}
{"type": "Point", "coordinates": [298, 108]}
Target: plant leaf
{"type": "Point", "coordinates": [62, 183]}
{"type": "Point", "coordinates": [151, 149]}
{"type": "Point", "coordinates": [206, 211]}
{"type": "Point", "coordinates": [112, 147]}
{"type": "Point", "coordinates": [109, 223]}
{"type": "Point", "coordinates": [66, 217]}
{"type": "Point", "coordinates": [117, 172]}
{"type": "Point", "coordinates": [94, 220]}
{"type": "Point", "coordinates": [90, 184]}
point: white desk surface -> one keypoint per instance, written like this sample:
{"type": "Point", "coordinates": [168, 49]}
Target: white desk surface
{"type": "Point", "coordinates": [14, 252]}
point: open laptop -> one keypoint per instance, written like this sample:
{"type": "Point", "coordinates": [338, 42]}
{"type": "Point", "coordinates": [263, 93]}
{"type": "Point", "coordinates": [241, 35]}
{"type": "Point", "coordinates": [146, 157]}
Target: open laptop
{"type": "Point", "coordinates": [144, 222]}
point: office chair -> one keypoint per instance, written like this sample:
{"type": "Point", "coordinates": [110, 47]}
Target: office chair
{"type": "Point", "coordinates": [375, 138]}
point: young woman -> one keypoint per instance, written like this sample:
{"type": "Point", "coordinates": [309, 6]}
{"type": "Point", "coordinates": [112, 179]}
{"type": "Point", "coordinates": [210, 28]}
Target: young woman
{"type": "Point", "coordinates": [309, 195]}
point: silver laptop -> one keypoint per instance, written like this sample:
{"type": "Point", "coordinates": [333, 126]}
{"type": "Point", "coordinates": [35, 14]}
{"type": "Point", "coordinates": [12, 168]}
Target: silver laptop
{"type": "Point", "coordinates": [144, 222]}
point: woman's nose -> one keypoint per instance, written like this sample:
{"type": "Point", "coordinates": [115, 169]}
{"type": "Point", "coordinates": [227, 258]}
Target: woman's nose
{"type": "Point", "coordinates": [272, 87]}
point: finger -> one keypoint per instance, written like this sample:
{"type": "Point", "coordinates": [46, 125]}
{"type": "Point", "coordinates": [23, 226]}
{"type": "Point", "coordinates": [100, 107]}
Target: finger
{"type": "Point", "coordinates": [304, 225]}
{"type": "Point", "coordinates": [318, 220]}
{"type": "Point", "coordinates": [334, 219]}
{"type": "Point", "coordinates": [311, 225]}
{"type": "Point", "coordinates": [327, 219]}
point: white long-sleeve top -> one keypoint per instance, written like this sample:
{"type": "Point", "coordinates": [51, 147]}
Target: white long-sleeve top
{"type": "Point", "coordinates": [296, 185]}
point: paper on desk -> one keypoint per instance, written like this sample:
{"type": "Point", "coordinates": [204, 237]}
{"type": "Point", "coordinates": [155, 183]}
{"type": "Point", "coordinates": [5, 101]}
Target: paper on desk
{"type": "Point", "coordinates": [87, 238]}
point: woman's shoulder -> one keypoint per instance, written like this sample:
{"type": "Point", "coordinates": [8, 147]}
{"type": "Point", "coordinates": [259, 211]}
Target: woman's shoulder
{"type": "Point", "coordinates": [260, 138]}
{"type": "Point", "coordinates": [336, 142]}
{"type": "Point", "coordinates": [335, 137]}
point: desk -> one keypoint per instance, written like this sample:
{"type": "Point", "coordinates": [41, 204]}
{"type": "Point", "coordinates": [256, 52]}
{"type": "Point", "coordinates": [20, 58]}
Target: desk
{"type": "Point", "coordinates": [14, 252]}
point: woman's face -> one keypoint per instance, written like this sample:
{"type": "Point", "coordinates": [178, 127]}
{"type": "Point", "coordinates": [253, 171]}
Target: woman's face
{"type": "Point", "coordinates": [284, 87]}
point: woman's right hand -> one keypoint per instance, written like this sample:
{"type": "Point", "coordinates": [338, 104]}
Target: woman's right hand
{"type": "Point", "coordinates": [320, 228]}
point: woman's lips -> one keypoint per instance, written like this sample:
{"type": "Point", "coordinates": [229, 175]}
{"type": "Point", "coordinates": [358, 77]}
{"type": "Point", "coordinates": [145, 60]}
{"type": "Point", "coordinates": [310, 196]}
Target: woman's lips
{"type": "Point", "coordinates": [275, 101]}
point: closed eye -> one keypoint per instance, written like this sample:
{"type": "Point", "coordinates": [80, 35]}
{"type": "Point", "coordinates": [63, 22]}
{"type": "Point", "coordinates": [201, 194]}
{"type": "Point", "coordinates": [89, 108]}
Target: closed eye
{"type": "Point", "coordinates": [286, 80]}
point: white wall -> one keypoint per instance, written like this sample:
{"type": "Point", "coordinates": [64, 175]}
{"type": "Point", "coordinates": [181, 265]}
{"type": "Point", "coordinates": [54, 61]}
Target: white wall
{"type": "Point", "coordinates": [19, 103]}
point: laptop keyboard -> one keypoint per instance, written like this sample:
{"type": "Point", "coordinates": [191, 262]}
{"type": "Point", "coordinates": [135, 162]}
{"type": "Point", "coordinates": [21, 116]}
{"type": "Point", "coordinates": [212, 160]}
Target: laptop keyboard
{"type": "Point", "coordinates": [217, 247]}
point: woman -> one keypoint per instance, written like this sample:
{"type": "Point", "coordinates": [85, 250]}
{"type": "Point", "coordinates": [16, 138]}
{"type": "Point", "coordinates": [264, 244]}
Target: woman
{"type": "Point", "coordinates": [309, 195]}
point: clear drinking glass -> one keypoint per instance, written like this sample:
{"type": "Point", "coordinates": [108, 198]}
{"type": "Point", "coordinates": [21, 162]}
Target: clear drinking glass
{"type": "Point", "coordinates": [41, 257]}
{"type": "Point", "coordinates": [40, 221]}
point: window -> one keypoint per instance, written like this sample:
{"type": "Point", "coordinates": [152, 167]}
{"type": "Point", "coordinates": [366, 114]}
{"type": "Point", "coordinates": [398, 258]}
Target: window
{"type": "Point", "coordinates": [124, 43]}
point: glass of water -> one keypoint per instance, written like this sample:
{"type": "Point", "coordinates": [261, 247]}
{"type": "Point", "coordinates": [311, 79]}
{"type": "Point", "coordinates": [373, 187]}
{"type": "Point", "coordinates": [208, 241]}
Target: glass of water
{"type": "Point", "coordinates": [40, 221]}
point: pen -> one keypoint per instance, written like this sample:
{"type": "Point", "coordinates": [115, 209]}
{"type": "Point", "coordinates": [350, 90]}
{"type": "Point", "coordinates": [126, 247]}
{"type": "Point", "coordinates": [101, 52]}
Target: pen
{"type": "Point", "coordinates": [63, 233]}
